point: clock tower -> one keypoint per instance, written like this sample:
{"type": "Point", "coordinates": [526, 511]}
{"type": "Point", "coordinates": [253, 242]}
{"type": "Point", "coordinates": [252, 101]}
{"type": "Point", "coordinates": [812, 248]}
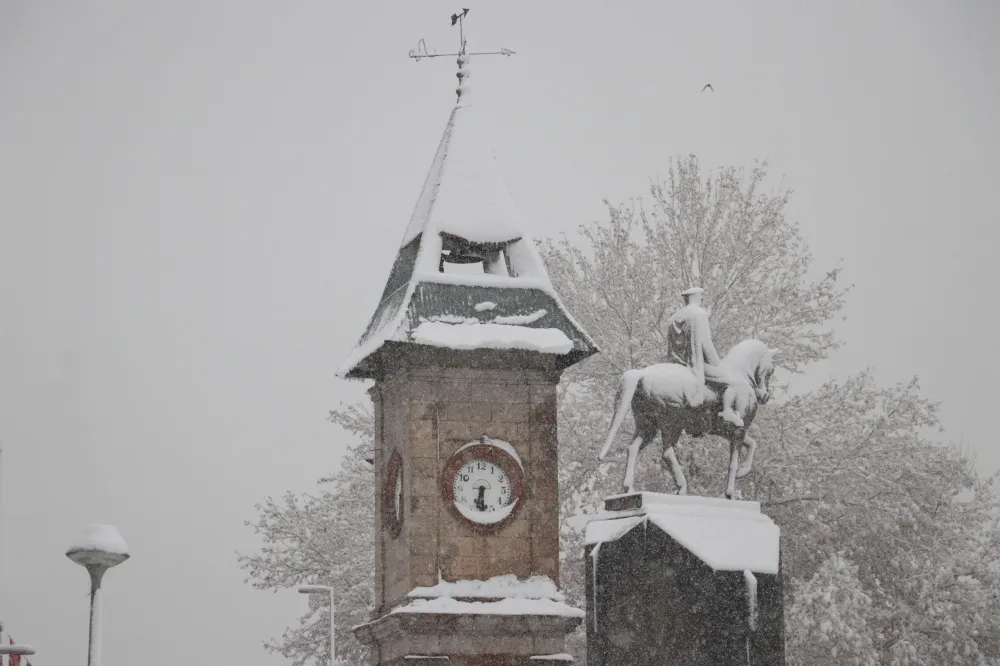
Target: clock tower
{"type": "Point", "coordinates": [466, 347]}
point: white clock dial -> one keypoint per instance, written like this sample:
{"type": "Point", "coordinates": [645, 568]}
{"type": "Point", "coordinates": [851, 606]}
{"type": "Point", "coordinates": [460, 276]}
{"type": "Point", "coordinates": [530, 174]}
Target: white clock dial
{"type": "Point", "coordinates": [482, 487]}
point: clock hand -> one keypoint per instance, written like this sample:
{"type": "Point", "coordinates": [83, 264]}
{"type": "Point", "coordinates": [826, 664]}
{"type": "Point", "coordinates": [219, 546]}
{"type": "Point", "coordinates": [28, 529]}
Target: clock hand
{"type": "Point", "coordinates": [481, 499]}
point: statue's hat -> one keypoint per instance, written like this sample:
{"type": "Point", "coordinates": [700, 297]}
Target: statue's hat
{"type": "Point", "coordinates": [692, 291]}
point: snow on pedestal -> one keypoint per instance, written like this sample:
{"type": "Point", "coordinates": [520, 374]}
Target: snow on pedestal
{"type": "Point", "coordinates": [499, 587]}
{"type": "Point", "coordinates": [708, 527]}
{"type": "Point", "coordinates": [485, 609]}
{"type": "Point", "coordinates": [448, 606]}
{"type": "Point", "coordinates": [706, 571]}
{"type": "Point", "coordinates": [500, 595]}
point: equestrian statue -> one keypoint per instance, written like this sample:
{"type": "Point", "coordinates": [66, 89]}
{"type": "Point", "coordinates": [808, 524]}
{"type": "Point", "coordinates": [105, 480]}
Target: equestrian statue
{"type": "Point", "coordinates": [695, 392]}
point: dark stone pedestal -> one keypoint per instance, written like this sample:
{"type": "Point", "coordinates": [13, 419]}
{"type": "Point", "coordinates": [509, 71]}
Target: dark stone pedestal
{"type": "Point", "coordinates": [667, 584]}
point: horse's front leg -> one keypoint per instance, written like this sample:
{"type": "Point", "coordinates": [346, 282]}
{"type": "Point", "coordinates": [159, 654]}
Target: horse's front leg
{"type": "Point", "coordinates": [633, 456]}
{"type": "Point", "coordinates": [730, 403]}
{"type": "Point", "coordinates": [734, 463]}
{"type": "Point", "coordinates": [751, 447]}
{"type": "Point", "coordinates": [675, 466]}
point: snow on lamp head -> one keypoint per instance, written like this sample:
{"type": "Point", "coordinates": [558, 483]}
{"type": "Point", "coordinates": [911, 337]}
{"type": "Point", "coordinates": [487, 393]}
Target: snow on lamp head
{"type": "Point", "coordinates": [100, 546]}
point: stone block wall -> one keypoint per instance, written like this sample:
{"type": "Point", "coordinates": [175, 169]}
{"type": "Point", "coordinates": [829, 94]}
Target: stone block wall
{"type": "Point", "coordinates": [427, 414]}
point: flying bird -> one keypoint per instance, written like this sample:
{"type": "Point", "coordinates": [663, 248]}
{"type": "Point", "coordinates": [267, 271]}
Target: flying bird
{"type": "Point", "coordinates": [708, 86]}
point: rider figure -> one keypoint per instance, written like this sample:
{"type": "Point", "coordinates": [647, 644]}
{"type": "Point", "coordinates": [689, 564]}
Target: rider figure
{"type": "Point", "coordinates": [689, 343]}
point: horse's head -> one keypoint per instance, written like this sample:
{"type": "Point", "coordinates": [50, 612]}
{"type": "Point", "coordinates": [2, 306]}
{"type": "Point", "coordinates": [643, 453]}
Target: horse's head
{"type": "Point", "coordinates": [762, 376]}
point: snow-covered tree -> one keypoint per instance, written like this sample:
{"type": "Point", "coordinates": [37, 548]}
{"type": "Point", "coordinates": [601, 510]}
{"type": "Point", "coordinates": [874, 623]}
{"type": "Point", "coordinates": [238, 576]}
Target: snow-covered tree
{"type": "Point", "coordinates": [830, 618]}
{"type": "Point", "coordinates": [865, 498]}
{"type": "Point", "coordinates": [323, 539]}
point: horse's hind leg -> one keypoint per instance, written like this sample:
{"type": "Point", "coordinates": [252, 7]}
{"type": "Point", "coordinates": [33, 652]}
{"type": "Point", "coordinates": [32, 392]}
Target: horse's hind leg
{"type": "Point", "coordinates": [734, 463]}
{"type": "Point", "coordinates": [644, 433]}
{"type": "Point", "coordinates": [633, 456]}
{"type": "Point", "coordinates": [751, 447]}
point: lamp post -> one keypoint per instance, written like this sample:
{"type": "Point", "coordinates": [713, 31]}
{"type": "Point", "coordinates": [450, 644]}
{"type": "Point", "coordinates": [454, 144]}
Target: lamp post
{"type": "Point", "coordinates": [100, 548]}
{"type": "Point", "coordinates": [317, 589]}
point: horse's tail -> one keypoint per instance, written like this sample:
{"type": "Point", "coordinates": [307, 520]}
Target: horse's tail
{"type": "Point", "coordinates": [626, 389]}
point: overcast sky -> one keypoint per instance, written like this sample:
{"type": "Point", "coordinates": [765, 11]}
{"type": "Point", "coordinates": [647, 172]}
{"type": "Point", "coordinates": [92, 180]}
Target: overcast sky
{"type": "Point", "coordinates": [200, 202]}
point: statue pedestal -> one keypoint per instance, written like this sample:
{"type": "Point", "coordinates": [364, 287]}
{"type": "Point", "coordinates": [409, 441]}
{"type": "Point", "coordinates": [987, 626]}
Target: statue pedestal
{"type": "Point", "coordinates": [683, 581]}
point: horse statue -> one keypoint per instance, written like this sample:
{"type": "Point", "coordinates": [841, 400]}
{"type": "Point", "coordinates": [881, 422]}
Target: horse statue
{"type": "Point", "coordinates": [661, 396]}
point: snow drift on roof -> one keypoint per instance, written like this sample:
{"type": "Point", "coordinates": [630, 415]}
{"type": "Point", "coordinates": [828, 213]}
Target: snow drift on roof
{"type": "Point", "coordinates": [726, 535]}
{"type": "Point", "coordinates": [465, 193]}
{"type": "Point", "coordinates": [492, 336]}
{"type": "Point", "coordinates": [724, 542]}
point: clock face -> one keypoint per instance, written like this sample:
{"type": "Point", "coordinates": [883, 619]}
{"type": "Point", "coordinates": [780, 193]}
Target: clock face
{"type": "Point", "coordinates": [483, 484]}
{"type": "Point", "coordinates": [392, 495]}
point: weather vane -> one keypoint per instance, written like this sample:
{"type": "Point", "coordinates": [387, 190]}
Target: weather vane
{"type": "Point", "coordinates": [421, 50]}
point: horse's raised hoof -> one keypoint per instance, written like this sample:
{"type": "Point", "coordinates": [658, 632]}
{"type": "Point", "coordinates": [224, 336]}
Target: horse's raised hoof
{"type": "Point", "coordinates": [742, 471]}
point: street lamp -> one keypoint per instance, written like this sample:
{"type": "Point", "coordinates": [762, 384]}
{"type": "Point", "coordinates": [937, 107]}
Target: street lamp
{"type": "Point", "coordinates": [318, 589]}
{"type": "Point", "coordinates": [100, 548]}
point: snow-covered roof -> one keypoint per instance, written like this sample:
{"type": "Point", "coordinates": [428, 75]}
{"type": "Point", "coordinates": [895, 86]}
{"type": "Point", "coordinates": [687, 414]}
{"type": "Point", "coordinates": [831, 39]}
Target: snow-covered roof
{"type": "Point", "coordinates": [726, 535]}
{"type": "Point", "coordinates": [491, 336]}
{"type": "Point", "coordinates": [465, 196]}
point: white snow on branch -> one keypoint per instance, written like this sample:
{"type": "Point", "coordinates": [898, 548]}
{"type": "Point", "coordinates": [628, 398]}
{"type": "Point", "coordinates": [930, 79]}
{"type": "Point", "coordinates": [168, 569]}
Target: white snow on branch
{"type": "Point", "coordinates": [562, 656]}
{"type": "Point", "coordinates": [485, 305]}
{"type": "Point", "coordinates": [492, 336]}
